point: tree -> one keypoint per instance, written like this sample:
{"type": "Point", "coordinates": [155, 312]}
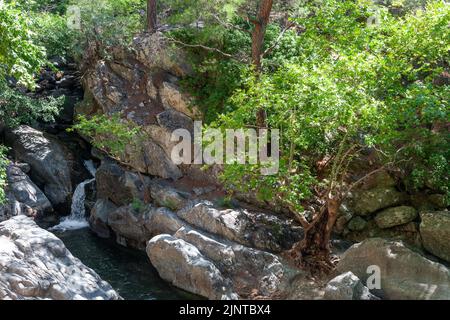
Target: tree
{"type": "Point", "coordinates": [260, 22]}
{"type": "Point", "coordinates": [152, 16]}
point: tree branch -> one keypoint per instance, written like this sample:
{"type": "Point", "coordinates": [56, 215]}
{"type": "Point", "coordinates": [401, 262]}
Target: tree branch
{"type": "Point", "coordinates": [277, 41]}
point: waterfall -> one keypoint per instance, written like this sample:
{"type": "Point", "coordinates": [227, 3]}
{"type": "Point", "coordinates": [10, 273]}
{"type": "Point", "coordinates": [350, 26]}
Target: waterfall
{"type": "Point", "coordinates": [77, 218]}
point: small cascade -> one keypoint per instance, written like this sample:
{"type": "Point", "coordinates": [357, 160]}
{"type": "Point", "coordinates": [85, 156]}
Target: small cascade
{"type": "Point", "coordinates": [77, 217]}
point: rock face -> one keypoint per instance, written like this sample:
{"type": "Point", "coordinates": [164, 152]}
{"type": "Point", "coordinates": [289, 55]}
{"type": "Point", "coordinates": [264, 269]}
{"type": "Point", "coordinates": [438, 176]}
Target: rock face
{"type": "Point", "coordinates": [435, 232]}
{"type": "Point", "coordinates": [395, 216]}
{"type": "Point", "coordinates": [404, 274]}
{"type": "Point", "coordinates": [143, 87]}
{"type": "Point", "coordinates": [50, 162]}
{"type": "Point", "coordinates": [185, 267]}
{"type": "Point", "coordinates": [347, 286]}
{"type": "Point", "coordinates": [36, 265]}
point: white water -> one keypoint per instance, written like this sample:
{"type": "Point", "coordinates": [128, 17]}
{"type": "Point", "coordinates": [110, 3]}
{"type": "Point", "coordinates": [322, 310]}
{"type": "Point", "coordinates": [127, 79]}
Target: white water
{"type": "Point", "coordinates": [77, 218]}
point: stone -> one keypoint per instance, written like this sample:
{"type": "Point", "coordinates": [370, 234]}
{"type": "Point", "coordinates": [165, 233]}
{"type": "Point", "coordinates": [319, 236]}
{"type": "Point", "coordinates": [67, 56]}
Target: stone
{"type": "Point", "coordinates": [50, 162]}
{"type": "Point", "coordinates": [181, 264]}
{"type": "Point", "coordinates": [99, 217]}
{"type": "Point", "coordinates": [26, 192]}
{"type": "Point", "coordinates": [35, 264]}
{"type": "Point", "coordinates": [368, 202]}
{"type": "Point", "coordinates": [162, 221]}
{"type": "Point", "coordinates": [404, 274]}
{"type": "Point", "coordinates": [158, 162]}
{"type": "Point", "coordinates": [257, 230]}
{"type": "Point", "coordinates": [435, 232]}
{"type": "Point", "coordinates": [357, 224]}
{"type": "Point", "coordinates": [172, 98]}
{"type": "Point", "coordinates": [347, 286]}
{"type": "Point", "coordinates": [395, 216]}
{"type": "Point", "coordinates": [118, 185]}
{"type": "Point", "coordinates": [166, 196]}
{"type": "Point", "coordinates": [129, 226]}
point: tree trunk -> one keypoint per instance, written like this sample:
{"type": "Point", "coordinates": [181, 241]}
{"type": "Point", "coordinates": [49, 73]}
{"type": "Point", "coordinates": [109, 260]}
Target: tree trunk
{"type": "Point", "coordinates": [314, 249]}
{"type": "Point", "coordinates": [151, 16]}
{"type": "Point", "coordinates": [262, 19]}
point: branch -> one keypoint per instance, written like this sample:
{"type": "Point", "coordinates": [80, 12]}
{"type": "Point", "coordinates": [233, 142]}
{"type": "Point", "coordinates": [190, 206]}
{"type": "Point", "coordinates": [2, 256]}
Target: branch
{"type": "Point", "coordinates": [230, 25]}
{"type": "Point", "coordinates": [277, 41]}
{"type": "Point", "coordinates": [200, 46]}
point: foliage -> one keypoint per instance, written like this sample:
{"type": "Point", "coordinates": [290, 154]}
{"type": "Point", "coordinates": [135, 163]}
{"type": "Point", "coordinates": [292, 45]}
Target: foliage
{"type": "Point", "coordinates": [17, 108]}
{"type": "Point", "coordinates": [110, 134]}
{"type": "Point", "coordinates": [3, 181]}
{"type": "Point", "coordinates": [20, 57]}
{"type": "Point", "coordinates": [346, 86]}
{"type": "Point", "coordinates": [52, 33]}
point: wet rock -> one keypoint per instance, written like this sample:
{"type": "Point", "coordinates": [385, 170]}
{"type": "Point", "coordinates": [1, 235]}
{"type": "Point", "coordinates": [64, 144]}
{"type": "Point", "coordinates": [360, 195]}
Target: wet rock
{"type": "Point", "coordinates": [404, 274]}
{"type": "Point", "coordinates": [128, 225]}
{"type": "Point", "coordinates": [99, 218]}
{"type": "Point", "coordinates": [184, 266]}
{"type": "Point", "coordinates": [36, 265]}
{"type": "Point", "coordinates": [395, 216]}
{"type": "Point", "coordinates": [347, 286]}
{"type": "Point", "coordinates": [435, 232]}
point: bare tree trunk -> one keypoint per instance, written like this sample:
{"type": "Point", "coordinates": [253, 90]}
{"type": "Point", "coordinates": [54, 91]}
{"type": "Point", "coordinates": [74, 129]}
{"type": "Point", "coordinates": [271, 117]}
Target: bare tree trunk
{"type": "Point", "coordinates": [151, 16]}
{"type": "Point", "coordinates": [314, 249]}
{"type": "Point", "coordinates": [262, 19]}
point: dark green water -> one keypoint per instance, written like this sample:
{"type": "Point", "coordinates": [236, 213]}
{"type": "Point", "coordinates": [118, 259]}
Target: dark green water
{"type": "Point", "coordinates": [128, 271]}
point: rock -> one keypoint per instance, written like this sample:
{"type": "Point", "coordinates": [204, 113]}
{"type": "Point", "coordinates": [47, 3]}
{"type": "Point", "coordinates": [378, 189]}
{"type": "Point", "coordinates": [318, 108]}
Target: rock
{"type": "Point", "coordinates": [357, 224]}
{"type": "Point", "coordinates": [153, 52]}
{"type": "Point", "coordinates": [51, 163]}
{"type": "Point", "coordinates": [370, 201]}
{"type": "Point", "coordinates": [253, 273]}
{"type": "Point", "coordinates": [435, 232]}
{"type": "Point", "coordinates": [172, 98]}
{"type": "Point", "coordinates": [172, 120]}
{"type": "Point", "coordinates": [162, 221]}
{"type": "Point", "coordinates": [26, 192]}
{"type": "Point", "coordinates": [439, 201]}
{"type": "Point", "coordinates": [166, 196]}
{"type": "Point", "coordinates": [158, 162]}
{"type": "Point", "coordinates": [250, 229]}
{"type": "Point", "coordinates": [118, 185]}
{"type": "Point", "coordinates": [347, 286]}
{"type": "Point", "coordinates": [395, 216]}
{"type": "Point", "coordinates": [36, 265]}
{"type": "Point", "coordinates": [404, 274]}
{"type": "Point", "coordinates": [184, 266]}
{"type": "Point", "coordinates": [129, 226]}
{"type": "Point", "coordinates": [99, 218]}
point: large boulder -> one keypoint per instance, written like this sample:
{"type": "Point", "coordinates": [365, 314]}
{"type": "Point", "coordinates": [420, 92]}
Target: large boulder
{"type": "Point", "coordinates": [185, 267]}
{"type": "Point", "coordinates": [99, 217]}
{"type": "Point", "coordinates": [347, 286]}
{"type": "Point", "coordinates": [404, 274]}
{"type": "Point", "coordinates": [164, 195]}
{"type": "Point", "coordinates": [395, 216]}
{"type": "Point", "coordinates": [370, 201]}
{"type": "Point", "coordinates": [36, 265]}
{"type": "Point", "coordinates": [118, 185]}
{"type": "Point", "coordinates": [24, 195]}
{"type": "Point", "coordinates": [51, 163]}
{"type": "Point", "coordinates": [435, 232]}
{"type": "Point", "coordinates": [253, 273]}
{"type": "Point", "coordinates": [257, 230]}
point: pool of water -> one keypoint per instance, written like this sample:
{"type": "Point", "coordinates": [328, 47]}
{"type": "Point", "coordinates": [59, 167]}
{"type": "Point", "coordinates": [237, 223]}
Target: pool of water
{"type": "Point", "coordinates": [128, 271]}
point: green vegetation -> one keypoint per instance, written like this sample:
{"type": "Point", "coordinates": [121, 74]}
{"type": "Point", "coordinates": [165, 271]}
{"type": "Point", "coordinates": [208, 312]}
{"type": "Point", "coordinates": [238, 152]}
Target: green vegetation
{"type": "Point", "coordinates": [109, 134]}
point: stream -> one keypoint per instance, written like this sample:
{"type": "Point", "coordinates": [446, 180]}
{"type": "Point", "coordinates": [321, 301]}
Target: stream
{"type": "Point", "coordinates": [128, 271]}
